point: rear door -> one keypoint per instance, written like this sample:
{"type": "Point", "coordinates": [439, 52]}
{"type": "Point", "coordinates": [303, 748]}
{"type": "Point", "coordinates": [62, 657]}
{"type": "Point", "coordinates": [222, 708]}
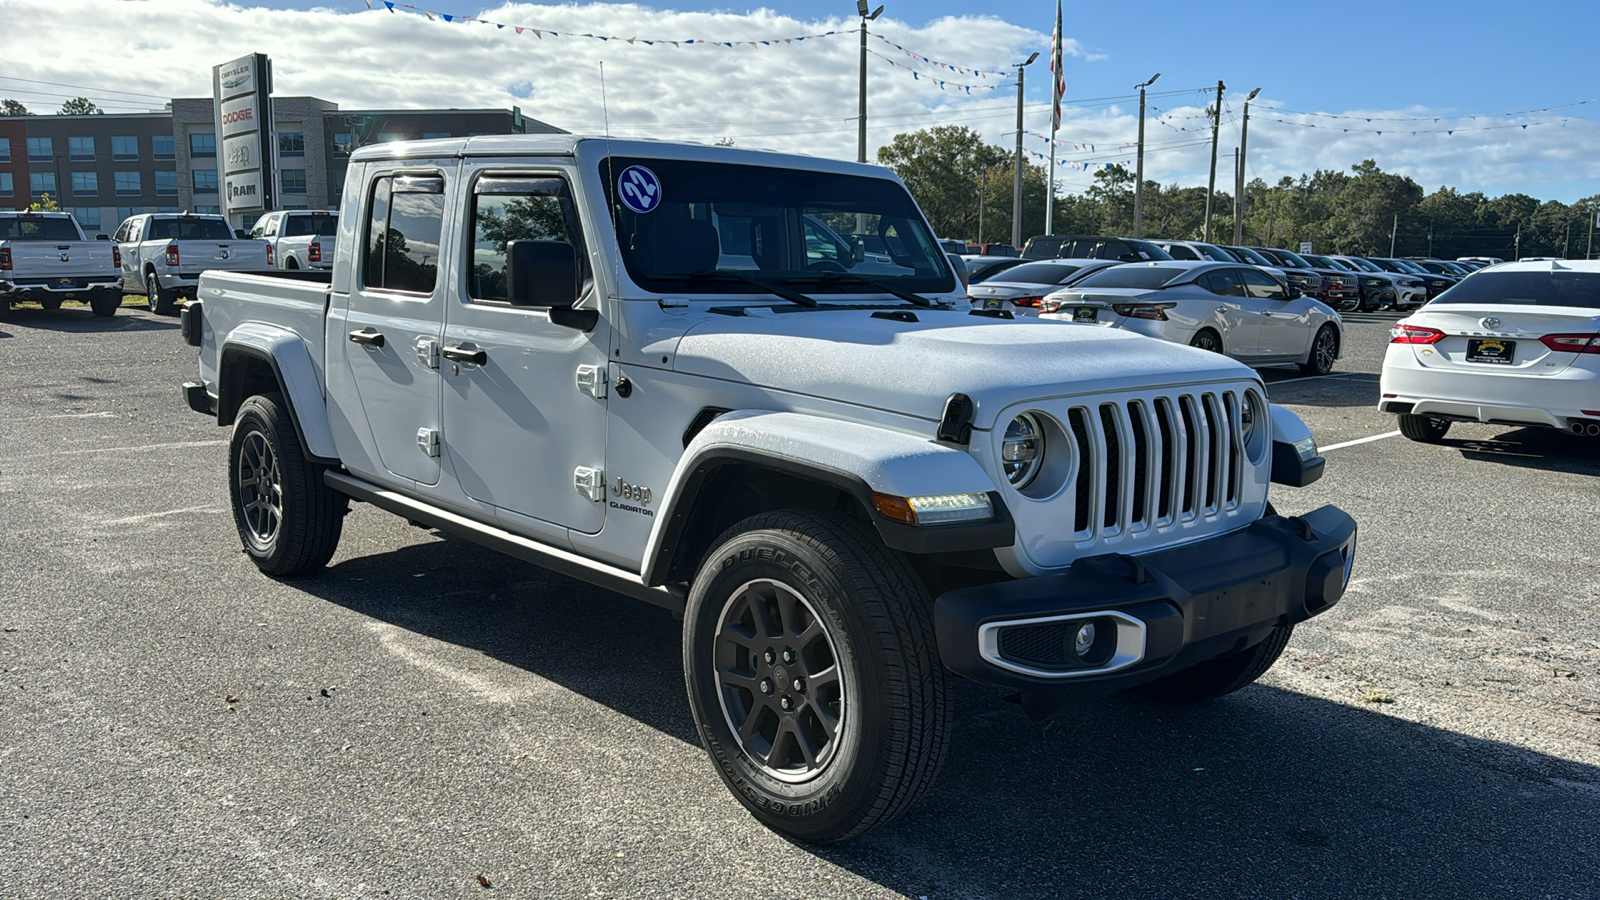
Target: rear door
{"type": "Point", "coordinates": [127, 239]}
{"type": "Point", "coordinates": [396, 316]}
{"type": "Point", "coordinates": [1241, 327]}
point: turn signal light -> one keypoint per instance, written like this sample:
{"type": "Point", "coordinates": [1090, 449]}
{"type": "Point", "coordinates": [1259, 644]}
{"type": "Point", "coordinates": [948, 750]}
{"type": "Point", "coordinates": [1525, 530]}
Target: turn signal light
{"type": "Point", "coordinates": [1414, 334]}
{"type": "Point", "coordinates": [1156, 311]}
{"type": "Point", "coordinates": [1572, 343]}
{"type": "Point", "coordinates": [172, 255]}
{"type": "Point", "coordinates": [939, 509]}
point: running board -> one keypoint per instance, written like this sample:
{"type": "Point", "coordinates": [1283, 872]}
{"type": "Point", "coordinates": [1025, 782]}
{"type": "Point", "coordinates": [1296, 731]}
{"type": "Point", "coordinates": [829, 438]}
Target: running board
{"type": "Point", "coordinates": [515, 545]}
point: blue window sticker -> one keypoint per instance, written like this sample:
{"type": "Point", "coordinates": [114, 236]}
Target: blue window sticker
{"type": "Point", "coordinates": [640, 189]}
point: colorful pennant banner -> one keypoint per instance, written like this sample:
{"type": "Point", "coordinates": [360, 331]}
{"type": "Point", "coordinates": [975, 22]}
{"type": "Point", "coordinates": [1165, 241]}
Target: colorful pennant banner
{"type": "Point", "coordinates": [960, 70]}
{"type": "Point", "coordinates": [451, 18]}
{"type": "Point", "coordinates": [943, 85]}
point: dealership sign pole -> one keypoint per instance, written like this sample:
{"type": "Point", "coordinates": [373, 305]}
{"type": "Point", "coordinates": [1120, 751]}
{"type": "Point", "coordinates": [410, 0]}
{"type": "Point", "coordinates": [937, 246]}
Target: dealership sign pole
{"type": "Point", "coordinates": [242, 90]}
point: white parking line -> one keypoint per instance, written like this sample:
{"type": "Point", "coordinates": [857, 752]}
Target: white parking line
{"type": "Point", "coordinates": [1365, 440]}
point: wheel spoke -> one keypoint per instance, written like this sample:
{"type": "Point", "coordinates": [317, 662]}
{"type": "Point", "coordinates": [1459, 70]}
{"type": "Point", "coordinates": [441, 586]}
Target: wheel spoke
{"type": "Point", "coordinates": [740, 680]}
{"type": "Point", "coordinates": [825, 718]}
{"type": "Point", "coordinates": [788, 611]}
{"type": "Point", "coordinates": [802, 739]}
{"type": "Point", "coordinates": [736, 634]}
{"type": "Point", "coordinates": [765, 626]}
{"type": "Point", "coordinates": [825, 677]}
{"type": "Point", "coordinates": [752, 722]}
{"type": "Point", "coordinates": [809, 634]}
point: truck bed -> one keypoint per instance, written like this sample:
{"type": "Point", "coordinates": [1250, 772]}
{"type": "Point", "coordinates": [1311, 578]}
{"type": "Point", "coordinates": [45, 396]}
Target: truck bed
{"type": "Point", "coordinates": [294, 302]}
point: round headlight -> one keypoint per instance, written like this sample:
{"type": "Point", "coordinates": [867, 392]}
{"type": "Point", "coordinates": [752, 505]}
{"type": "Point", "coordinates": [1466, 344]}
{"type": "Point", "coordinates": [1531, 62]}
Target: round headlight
{"type": "Point", "coordinates": [1249, 414]}
{"type": "Point", "coordinates": [1022, 450]}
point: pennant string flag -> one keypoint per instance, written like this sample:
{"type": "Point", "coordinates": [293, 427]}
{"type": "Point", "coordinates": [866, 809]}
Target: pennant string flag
{"type": "Point", "coordinates": [960, 70]}
{"type": "Point", "coordinates": [452, 18]}
{"type": "Point", "coordinates": [943, 85]}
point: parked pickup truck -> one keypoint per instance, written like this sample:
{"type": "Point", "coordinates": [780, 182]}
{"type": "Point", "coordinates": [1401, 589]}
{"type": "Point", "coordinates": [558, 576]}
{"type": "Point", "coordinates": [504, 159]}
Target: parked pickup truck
{"type": "Point", "coordinates": [44, 256]}
{"type": "Point", "coordinates": [163, 254]}
{"type": "Point", "coordinates": [849, 488]}
{"type": "Point", "coordinates": [298, 238]}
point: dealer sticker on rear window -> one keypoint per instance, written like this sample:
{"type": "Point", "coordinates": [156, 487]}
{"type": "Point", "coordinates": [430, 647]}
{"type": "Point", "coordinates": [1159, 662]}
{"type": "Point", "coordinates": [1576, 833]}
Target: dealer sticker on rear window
{"type": "Point", "coordinates": [640, 189]}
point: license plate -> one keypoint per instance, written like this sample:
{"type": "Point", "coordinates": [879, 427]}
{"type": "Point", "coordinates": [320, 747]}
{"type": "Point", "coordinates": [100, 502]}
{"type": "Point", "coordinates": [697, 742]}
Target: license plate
{"type": "Point", "coordinates": [65, 283]}
{"type": "Point", "coordinates": [992, 304]}
{"type": "Point", "coordinates": [1083, 314]}
{"type": "Point", "coordinates": [1489, 350]}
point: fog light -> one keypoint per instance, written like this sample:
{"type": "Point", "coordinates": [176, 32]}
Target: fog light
{"type": "Point", "coordinates": [1085, 639]}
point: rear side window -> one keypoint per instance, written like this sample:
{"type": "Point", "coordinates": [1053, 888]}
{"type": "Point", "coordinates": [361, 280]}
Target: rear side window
{"type": "Point", "coordinates": [402, 239]}
{"type": "Point", "coordinates": [508, 209]}
{"type": "Point", "coordinates": [1581, 289]}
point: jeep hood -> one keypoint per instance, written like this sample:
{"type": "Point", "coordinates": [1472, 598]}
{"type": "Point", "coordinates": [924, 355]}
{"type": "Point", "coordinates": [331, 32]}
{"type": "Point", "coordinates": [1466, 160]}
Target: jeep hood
{"type": "Point", "coordinates": [913, 367]}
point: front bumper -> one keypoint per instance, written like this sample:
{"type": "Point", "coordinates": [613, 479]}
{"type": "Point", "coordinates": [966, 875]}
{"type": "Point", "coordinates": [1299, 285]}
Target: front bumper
{"type": "Point", "coordinates": [1154, 614]}
{"type": "Point", "coordinates": [1411, 296]}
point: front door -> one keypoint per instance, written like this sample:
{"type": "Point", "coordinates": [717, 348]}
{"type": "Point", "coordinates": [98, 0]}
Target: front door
{"type": "Point", "coordinates": [517, 424]}
{"type": "Point", "coordinates": [397, 305]}
{"type": "Point", "coordinates": [1285, 330]}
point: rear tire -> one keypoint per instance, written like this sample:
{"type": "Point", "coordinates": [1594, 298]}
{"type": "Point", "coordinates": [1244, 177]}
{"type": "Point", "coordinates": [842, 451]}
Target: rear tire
{"type": "Point", "coordinates": [813, 674]}
{"type": "Point", "coordinates": [289, 520]}
{"type": "Point", "coordinates": [50, 302]}
{"type": "Point", "coordinates": [159, 298]}
{"type": "Point", "coordinates": [1425, 429]}
{"type": "Point", "coordinates": [1218, 677]}
{"type": "Point", "coordinates": [1324, 350]}
{"type": "Point", "coordinates": [104, 303]}
{"type": "Point", "coordinates": [1206, 339]}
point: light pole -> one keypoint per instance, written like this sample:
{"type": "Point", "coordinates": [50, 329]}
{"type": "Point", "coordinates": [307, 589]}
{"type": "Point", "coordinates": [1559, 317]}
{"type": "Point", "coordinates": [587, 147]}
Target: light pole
{"type": "Point", "coordinates": [1238, 198]}
{"type": "Point", "coordinates": [1016, 197]}
{"type": "Point", "coordinates": [983, 198]}
{"type": "Point", "coordinates": [1211, 185]}
{"type": "Point", "coordinates": [861, 130]}
{"type": "Point", "coordinates": [1138, 178]}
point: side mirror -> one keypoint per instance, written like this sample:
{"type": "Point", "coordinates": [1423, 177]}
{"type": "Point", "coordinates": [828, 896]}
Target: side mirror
{"type": "Point", "coordinates": [241, 234]}
{"type": "Point", "coordinates": [1294, 292]}
{"type": "Point", "coordinates": [102, 236]}
{"type": "Point", "coordinates": [545, 273]}
{"type": "Point", "coordinates": [858, 249]}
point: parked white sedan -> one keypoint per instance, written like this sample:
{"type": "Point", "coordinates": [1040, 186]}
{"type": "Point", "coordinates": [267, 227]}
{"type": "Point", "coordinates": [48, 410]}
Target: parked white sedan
{"type": "Point", "coordinates": [1226, 308]}
{"type": "Point", "coordinates": [1518, 344]}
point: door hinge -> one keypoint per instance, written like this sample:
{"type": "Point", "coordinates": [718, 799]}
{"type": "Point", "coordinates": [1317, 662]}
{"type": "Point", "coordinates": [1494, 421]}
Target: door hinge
{"type": "Point", "coordinates": [428, 352]}
{"type": "Point", "coordinates": [590, 482]}
{"type": "Point", "coordinates": [592, 381]}
{"type": "Point", "coordinates": [428, 440]}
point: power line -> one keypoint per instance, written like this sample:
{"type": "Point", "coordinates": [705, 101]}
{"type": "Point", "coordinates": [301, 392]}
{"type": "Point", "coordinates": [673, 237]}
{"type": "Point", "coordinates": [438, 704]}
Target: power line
{"type": "Point", "coordinates": [97, 90]}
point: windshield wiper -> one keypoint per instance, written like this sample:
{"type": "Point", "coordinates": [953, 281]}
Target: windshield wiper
{"type": "Point", "coordinates": [834, 277]}
{"type": "Point", "coordinates": [724, 275]}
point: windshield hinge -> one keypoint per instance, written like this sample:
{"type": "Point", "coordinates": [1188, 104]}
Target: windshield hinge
{"type": "Point", "coordinates": [592, 381]}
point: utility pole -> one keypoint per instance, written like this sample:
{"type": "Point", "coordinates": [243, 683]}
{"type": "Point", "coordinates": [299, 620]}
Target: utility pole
{"type": "Point", "coordinates": [1016, 196]}
{"type": "Point", "coordinates": [1393, 230]}
{"type": "Point", "coordinates": [1138, 183]}
{"type": "Point", "coordinates": [1589, 253]}
{"type": "Point", "coordinates": [1566, 243]}
{"type": "Point", "coordinates": [983, 198]}
{"type": "Point", "coordinates": [1238, 188]}
{"type": "Point", "coordinates": [1516, 244]}
{"type": "Point", "coordinates": [861, 130]}
{"type": "Point", "coordinates": [1244, 145]}
{"type": "Point", "coordinates": [1211, 184]}
{"type": "Point", "coordinates": [1430, 238]}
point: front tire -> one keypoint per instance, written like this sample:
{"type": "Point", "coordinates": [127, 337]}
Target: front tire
{"type": "Point", "coordinates": [1222, 676]}
{"type": "Point", "coordinates": [1425, 429]}
{"type": "Point", "coordinates": [813, 674]}
{"type": "Point", "coordinates": [289, 520]}
{"type": "Point", "coordinates": [159, 298]}
{"type": "Point", "coordinates": [1324, 350]}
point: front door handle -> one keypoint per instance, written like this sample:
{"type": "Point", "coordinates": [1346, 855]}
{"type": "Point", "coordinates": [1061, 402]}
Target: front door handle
{"type": "Point", "coordinates": [476, 356]}
{"type": "Point", "coordinates": [367, 336]}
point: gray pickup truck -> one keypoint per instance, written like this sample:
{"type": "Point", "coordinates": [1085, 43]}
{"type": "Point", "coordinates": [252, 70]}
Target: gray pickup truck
{"type": "Point", "coordinates": [45, 256]}
{"type": "Point", "coordinates": [644, 365]}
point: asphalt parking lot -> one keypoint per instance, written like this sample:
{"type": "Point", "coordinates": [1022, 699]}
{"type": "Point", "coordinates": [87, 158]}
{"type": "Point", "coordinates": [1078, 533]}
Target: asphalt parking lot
{"type": "Point", "coordinates": [174, 724]}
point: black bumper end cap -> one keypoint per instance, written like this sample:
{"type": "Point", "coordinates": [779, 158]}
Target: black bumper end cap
{"type": "Point", "coordinates": [199, 399]}
{"type": "Point", "coordinates": [1290, 470]}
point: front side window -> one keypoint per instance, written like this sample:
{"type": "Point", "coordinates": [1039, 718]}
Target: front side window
{"type": "Point", "coordinates": [40, 148]}
{"type": "Point", "coordinates": [402, 234]}
{"type": "Point", "coordinates": [205, 179]}
{"type": "Point", "coordinates": [508, 209]}
{"type": "Point", "coordinates": [42, 182]}
{"type": "Point", "coordinates": [80, 148]}
{"type": "Point", "coordinates": [1224, 282]}
{"type": "Point", "coordinates": [127, 182]}
{"type": "Point", "coordinates": [125, 147]}
{"type": "Point", "coordinates": [161, 146]}
{"type": "Point", "coordinates": [684, 225]}
{"type": "Point", "coordinates": [1261, 285]}
{"type": "Point", "coordinates": [203, 143]}
{"type": "Point", "coordinates": [85, 184]}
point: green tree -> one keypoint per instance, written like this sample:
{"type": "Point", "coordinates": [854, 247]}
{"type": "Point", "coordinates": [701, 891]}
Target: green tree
{"type": "Point", "coordinates": [947, 168]}
{"type": "Point", "coordinates": [80, 106]}
{"type": "Point", "coordinates": [9, 107]}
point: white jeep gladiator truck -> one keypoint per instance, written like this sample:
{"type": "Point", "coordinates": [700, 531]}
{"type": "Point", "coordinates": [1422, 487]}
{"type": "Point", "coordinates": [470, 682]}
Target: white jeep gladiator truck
{"type": "Point", "coordinates": [163, 254]}
{"type": "Point", "coordinates": [621, 360]}
{"type": "Point", "coordinates": [298, 238]}
{"type": "Point", "coordinates": [45, 256]}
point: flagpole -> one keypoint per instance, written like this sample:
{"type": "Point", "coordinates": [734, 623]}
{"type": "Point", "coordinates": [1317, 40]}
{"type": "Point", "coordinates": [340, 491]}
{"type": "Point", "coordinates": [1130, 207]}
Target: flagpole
{"type": "Point", "coordinates": [1058, 84]}
{"type": "Point", "coordinates": [1050, 191]}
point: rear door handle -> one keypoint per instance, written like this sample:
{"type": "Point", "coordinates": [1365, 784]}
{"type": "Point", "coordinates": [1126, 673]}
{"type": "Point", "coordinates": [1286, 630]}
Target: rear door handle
{"type": "Point", "coordinates": [476, 356]}
{"type": "Point", "coordinates": [367, 336]}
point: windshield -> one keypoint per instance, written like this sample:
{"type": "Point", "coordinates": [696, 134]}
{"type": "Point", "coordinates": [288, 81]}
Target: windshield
{"type": "Point", "coordinates": [1216, 254]}
{"type": "Point", "coordinates": [190, 230]}
{"type": "Point", "coordinates": [679, 221]}
{"type": "Point", "coordinates": [321, 225]}
{"type": "Point", "coordinates": [1038, 273]}
{"type": "Point", "coordinates": [1131, 277]}
{"type": "Point", "coordinates": [1252, 257]}
{"type": "Point", "coordinates": [1527, 289]}
{"type": "Point", "coordinates": [1290, 259]}
{"type": "Point", "coordinates": [38, 228]}
{"type": "Point", "coordinates": [1362, 265]}
{"type": "Point", "coordinates": [1328, 262]}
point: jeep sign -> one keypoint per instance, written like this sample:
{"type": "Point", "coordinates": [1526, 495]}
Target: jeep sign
{"type": "Point", "coordinates": [242, 90]}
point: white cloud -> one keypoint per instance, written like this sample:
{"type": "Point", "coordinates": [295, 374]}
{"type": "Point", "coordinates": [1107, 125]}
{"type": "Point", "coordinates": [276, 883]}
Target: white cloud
{"type": "Point", "coordinates": [799, 97]}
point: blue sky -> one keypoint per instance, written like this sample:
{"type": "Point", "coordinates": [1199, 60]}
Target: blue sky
{"type": "Point", "coordinates": [1356, 58]}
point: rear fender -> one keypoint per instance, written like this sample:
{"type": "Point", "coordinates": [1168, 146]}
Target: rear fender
{"type": "Point", "coordinates": [287, 355]}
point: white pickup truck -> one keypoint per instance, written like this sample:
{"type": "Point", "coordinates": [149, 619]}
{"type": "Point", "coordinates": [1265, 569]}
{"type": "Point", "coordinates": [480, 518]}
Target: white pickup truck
{"type": "Point", "coordinates": [299, 238]}
{"type": "Point", "coordinates": [163, 254]}
{"type": "Point", "coordinates": [44, 256]}
{"type": "Point", "coordinates": [850, 489]}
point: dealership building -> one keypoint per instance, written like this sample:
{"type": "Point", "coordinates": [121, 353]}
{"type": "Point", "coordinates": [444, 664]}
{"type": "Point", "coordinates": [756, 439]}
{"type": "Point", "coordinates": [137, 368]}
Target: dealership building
{"type": "Point", "coordinates": [104, 168]}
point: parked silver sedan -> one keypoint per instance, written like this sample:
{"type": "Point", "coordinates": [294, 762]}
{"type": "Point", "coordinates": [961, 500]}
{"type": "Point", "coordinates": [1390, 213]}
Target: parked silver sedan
{"type": "Point", "coordinates": [1234, 309]}
{"type": "Point", "coordinates": [1021, 290]}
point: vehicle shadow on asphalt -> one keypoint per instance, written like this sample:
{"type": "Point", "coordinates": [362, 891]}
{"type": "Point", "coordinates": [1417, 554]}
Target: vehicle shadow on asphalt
{"type": "Point", "coordinates": [1266, 792]}
{"type": "Point", "coordinates": [81, 321]}
{"type": "Point", "coordinates": [1535, 448]}
{"type": "Point", "coordinates": [1339, 390]}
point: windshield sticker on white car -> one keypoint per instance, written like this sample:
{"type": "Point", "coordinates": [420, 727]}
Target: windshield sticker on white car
{"type": "Point", "coordinates": [640, 189]}
{"type": "Point", "coordinates": [1143, 255]}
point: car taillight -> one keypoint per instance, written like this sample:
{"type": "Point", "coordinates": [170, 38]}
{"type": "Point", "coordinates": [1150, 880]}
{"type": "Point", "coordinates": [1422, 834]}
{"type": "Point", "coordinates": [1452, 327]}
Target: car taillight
{"type": "Point", "coordinates": [1572, 343]}
{"type": "Point", "coordinates": [172, 255]}
{"type": "Point", "coordinates": [116, 256]}
{"type": "Point", "coordinates": [5, 259]}
{"type": "Point", "coordinates": [1143, 310]}
{"type": "Point", "coordinates": [270, 254]}
{"type": "Point", "coordinates": [314, 252]}
{"type": "Point", "coordinates": [1027, 301]}
{"type": "Point", "coordinates": [1414, 334]}
{"type": "Point", "coordinates": [1051, 306]}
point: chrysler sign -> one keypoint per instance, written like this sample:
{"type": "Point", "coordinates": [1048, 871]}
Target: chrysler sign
{"type": "Point", "coordinates": [242, 90]}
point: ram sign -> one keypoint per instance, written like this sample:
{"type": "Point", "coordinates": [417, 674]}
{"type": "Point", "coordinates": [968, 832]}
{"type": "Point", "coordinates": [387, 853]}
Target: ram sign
{"type": "Point", "coordinates": [242, 90]}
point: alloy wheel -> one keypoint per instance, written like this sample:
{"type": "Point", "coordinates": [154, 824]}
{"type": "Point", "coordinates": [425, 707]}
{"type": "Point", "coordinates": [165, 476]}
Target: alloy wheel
{"type": "Point", "coordinates": [260, 489]}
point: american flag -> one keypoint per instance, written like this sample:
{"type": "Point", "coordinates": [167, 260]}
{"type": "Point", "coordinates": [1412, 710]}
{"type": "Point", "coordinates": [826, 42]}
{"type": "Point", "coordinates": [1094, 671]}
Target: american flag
{"type": "Point", "coordinates": [1059, 81]}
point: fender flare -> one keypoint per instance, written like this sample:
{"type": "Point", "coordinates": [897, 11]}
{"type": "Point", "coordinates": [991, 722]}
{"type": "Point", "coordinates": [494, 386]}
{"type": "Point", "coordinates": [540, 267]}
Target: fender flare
{"type": "Point", "coordinates": [301, 386]}
{"type": "Point", "coordinates": [855, 458]}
